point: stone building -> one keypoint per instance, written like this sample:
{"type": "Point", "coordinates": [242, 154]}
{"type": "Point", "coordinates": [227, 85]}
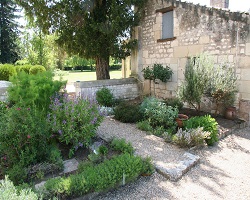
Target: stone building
{"type": "Point", "coordinates": [172, 31]}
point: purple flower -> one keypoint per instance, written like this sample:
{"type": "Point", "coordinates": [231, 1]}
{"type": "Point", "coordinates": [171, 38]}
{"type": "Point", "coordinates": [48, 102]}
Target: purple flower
{"type": "Point", "coordinates": [80, 144]}
{"type": "Point", "coordinates": [60, 132]}
{"type": "Point", "coordinates": [28, 108]}
{"type": "Point", "coordinates": [94, 120]}
{"type": "Point", "coordinates": [64, 122]}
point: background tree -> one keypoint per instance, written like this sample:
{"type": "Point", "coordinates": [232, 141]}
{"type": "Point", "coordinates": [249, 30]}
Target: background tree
{"type": "Point", "coordinates": [9, 51]}
{"type": "Point", "coordinates": [94, 29]}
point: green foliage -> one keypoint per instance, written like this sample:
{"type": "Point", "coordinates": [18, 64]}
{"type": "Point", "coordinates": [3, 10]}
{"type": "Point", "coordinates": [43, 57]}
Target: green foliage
{"type": "Point", "coordinates": [197, 75]}
{"type": "Point", "coordinates": [127, 113]}
{"type": "Point", "coordinates": [148, 73]}
{"type": "Point", "coordinates": [9, 50]}
{"type": "Point", "coordinates": [36, 68]}
{"type": "Point", "coordinates": [9, 191]}
{"type": "Point", "coordinates": [122, 146]}
{"type": "Point", "coordinates": [157, 72]}
{"type": "Point", "coordinates": [208, 123]}
{"type": "Point", "coordinates": [3, 108]}
{"type": "Point", "coordinates": [101, 25]}
{"type": "Point", "coordinates": [109, 174]}
{"type": "Point", "coordinates": [223, 85]}
{"type": "Point", "coordinates": [144, 126]}
{"type": "Point", "coordinates": [174, 102]}
{"type": "Point", "coordinates": [75, 61]}
{"type": "Point", "coordinates": [24, 68]}
{"type": "Point", "coordinates": [105, 97]}
{"type": "Point", "coordinates": [6, 71]}
{"type": "Point", "coordinates": [24, 137]}
{"type": "Point", "coordinates": [74, 122]}
{"type": "Point", "coordinates": [158, 114]}
{"type": "Point", "coordinates": [149, 102]}
{"type": "Point", "coordinates": [34, 90]}
{"type": "Point", "coordinates": [159, 131]}
{"type": "Point", "coordinates": [95, 158]}
{"type": "Point", "coordinates": [190, 137]}
{"type": "Point", "coordinates": [40, 48]}
{"type": "Point", "coordinates": [103, 150]}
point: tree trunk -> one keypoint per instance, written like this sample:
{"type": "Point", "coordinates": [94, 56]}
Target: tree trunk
{"type": "Point", "coordinates": [102, 68]}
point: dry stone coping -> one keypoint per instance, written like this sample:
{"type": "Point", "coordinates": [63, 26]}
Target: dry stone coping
{"type": "Point", "coordinates": [4, 84]}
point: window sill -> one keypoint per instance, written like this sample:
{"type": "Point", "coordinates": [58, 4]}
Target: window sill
{"type": "Point", "coordinates": [166, 40]}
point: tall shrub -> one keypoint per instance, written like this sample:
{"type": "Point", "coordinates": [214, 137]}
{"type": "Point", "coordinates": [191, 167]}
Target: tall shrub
{"type": "Point", "coordinates": [222, 86]}
{"type": "Point", "coordinates": [34, 90]}
{"type": "Point", "coordinates": [197, 75]}
{"type": "Point", "coordinates": [24, 140]}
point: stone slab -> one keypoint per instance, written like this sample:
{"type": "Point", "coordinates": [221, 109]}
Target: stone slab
{"type": "Point", "coordinates": [176, 170]}
{"type": "Point", "coordinates": [70, 165]}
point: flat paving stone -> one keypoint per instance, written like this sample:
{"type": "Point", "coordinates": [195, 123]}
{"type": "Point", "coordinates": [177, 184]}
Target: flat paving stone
{"type": "Point", "coordinates": [70, 165]}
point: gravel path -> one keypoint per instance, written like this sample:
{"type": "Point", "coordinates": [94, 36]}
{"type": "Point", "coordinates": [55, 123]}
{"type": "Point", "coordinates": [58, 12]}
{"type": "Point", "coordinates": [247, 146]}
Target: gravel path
{"type": "Point", "coordinates": [223, 171]}
{"type": "Point", "coordinates": [145, 145]}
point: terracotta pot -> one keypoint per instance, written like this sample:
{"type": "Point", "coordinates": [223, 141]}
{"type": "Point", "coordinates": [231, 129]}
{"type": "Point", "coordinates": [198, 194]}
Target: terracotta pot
{"type": "Point", "coordinates": [180, 119]}
{"type": "Point", "coordinates": [230, 113]}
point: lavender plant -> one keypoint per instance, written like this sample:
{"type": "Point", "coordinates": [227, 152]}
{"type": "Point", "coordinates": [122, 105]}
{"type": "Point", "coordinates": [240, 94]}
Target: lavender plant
{"type": "Point", "coordinates": [74, 122]}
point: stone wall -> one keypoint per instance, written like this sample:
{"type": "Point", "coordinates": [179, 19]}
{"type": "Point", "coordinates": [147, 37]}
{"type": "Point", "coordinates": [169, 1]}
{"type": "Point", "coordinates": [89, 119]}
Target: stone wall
{"type": "Point", "coordinates": [224, 35]}
{"type": "Point", "coordinates": [121, 88]}
{"type": "Point", "coordinates": [3, 90]}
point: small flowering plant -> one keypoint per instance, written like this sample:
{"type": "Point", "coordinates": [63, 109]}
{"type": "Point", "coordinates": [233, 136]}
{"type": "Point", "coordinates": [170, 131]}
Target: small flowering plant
{"type": "Point", "coordinates": [74, 121]}
{"type": "Point", "coordinates": [24, 137]}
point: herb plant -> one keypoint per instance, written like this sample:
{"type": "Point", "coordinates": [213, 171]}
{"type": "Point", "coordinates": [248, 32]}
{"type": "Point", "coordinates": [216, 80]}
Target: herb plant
{"type": "Point", "coordinates": [208, 123]}
{"type": "Point", "coordinates": [74, 122]}
{"type": "Point", "coordinates": [105, 97]}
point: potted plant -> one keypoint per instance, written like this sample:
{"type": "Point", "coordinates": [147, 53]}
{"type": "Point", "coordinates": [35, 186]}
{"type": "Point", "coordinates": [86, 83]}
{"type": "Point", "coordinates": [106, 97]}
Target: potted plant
{"type": "Point", "coordinates": [180, 119]}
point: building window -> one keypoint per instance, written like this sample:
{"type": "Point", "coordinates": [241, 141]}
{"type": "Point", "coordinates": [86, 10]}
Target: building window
{"type": "Point", "coordinates": [167, 31]}
{"type": "Point", "coordinates": [168, 25]}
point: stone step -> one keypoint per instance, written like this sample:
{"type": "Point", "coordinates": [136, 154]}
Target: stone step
{"type": "Point", "coordinates": [175, 171]}
{"type": "Point", "coordinates": [69, 166]}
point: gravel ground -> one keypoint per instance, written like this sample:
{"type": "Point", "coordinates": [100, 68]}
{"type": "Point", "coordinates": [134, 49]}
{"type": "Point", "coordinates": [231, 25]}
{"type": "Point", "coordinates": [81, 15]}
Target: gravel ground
{"type": "Point", "coordinates": [223, 172]}
{"type": "Point", "coordinates": [144, 144]}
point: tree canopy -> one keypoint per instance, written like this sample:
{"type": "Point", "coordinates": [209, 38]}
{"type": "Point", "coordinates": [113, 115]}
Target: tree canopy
{"type": "Point", "coordinates": [8, 32]}
{"type": "Point", "coordinates": [94, 29]}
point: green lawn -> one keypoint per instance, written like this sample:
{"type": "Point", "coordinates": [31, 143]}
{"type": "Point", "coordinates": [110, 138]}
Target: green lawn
{"type": "Point", "coordinates": [74, 76]}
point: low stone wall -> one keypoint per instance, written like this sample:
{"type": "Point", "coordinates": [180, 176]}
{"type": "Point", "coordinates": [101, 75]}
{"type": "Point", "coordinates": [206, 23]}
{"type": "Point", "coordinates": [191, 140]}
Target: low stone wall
{"type": "Point", "coordinates": [244, 110]}
{"type": "Point", "coordinates": [3, 90]}
{"type": "Point", "coordinates": [121, 88]}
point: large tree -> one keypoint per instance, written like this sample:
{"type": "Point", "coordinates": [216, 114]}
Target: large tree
{"type": "Point", "coordinates": [8, 32]}
{"type": "Point", "coordinates": [94, 29]}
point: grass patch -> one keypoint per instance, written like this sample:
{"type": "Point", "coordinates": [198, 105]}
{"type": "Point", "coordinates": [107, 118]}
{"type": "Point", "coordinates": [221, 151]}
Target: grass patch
{"type": "Point", "coordinates": [73, 76]}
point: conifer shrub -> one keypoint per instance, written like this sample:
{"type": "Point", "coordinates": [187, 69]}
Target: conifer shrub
{"type": "Point", "coordinates": [30, 90]}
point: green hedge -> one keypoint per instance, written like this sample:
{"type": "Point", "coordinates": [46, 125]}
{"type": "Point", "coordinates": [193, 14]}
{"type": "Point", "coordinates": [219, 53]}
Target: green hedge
{"type": "Point", "coordinates": [6, 71]}
{"type": "Point", "coordinates": [106, 175]}
{"type": "Point", "coordinates": [24, 68]}
{"type": "Point", "coordinates": [37, 68]}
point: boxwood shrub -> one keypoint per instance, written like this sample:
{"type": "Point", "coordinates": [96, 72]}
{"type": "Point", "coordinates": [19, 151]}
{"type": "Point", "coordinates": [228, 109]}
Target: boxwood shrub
{"type": "Point", "coordinates": [6, 71]}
